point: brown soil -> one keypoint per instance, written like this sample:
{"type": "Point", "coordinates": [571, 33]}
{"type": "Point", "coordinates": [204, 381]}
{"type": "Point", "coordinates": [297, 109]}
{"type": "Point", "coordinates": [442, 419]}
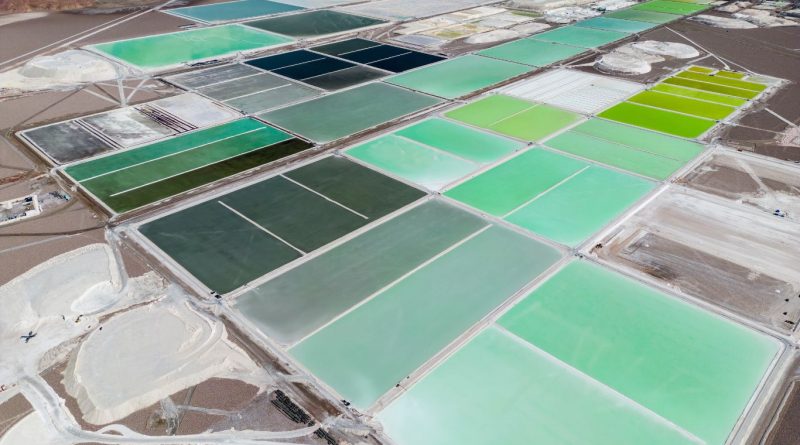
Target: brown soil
{"type": "Point", "coordinates": [12, 411]}
{"type": "Point", "coordinates": [786, 430]}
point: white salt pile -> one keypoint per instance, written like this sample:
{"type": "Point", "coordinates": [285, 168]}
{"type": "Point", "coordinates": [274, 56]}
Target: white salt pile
{"type": "Point", "coordinates": [67, 68]}
{"type": "Point", "coordinates": [637, 57]}
{"type": "Point", "coordinates": [61, 299]}
{"type": "Point", "coordinates": [146, 354]}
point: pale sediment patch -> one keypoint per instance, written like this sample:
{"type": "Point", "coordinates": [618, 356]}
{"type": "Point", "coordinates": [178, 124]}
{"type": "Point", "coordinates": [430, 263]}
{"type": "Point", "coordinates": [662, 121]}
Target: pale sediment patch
{"type": "Point", "coordinates": [722, 22]}
{"type": "Point", "coordinates": [530, 28]}
{"type": "Point", "coordinates": [31, 430]}
{"type": "Point", "coordinates": [68, 68]}
{"type": "Point", "coordinates": [763, 18]}
{"type": "Point", "coordinates": [61, 299]}
{"type": "Point", "coordinates": [146, 354]}
{"type": "Point", "coordinates": [493, 36]}
{"type": "Point", "coordinates": [668, 49]}
{"type": "Point", "coordinates": [612, 5]}
{"type": "Point", "coordinates": [569, 14]}
{"type": "Point", "coordinates": [616, 62]}
{"type": "Point", "coordinates": [637, 57]}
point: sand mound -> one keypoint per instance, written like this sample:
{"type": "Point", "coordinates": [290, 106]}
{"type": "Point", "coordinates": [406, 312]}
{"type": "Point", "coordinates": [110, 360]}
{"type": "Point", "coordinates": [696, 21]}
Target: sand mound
{"type": "Point", "coordinates": [493, 36]}
{"type": "Point", "coordinates": [146, 354]}
{"type": "Point", "coordinates": [763, 18]}
{"type": "Point", "coordinates": [569, 14]}
{"type": "Point", "coordinates": [636, 58]}
{"type": "Point", "coordinates": [622, 63]}
{"type": "Point", "coordinates": [669, 49]}
{"type": "Point", "coordinates": [61, 299]}
{"type": "Point", "coordinates": [67, 68]}
{"type": "Point", "coordinates": [722, 22]}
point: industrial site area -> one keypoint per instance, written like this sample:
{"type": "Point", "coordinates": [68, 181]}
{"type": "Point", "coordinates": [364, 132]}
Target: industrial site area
{"type": "Point", "coordinates": [400, 222]}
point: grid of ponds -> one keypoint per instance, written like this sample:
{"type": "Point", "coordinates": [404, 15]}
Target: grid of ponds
{"type": "Point", "coordinates": [134, 178]}
{"type": "Point", "coordinates": [689, 103]}
{"type": "Point", "coordinates": [84, 137]}
{"type": "Point", "coordinates": [421, 272]}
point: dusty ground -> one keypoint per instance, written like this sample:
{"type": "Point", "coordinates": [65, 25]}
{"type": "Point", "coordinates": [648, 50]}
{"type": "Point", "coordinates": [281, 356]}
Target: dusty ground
{"type": "Point", "coordinates": [770, 51]}
{"type": "Point", "coordinates": [59, 30]}
{"type": "Point", "coordinates": [754, 50]}
{"type": "Point", "coordinates": [758, 183]}
{"type": "Point", "coordinates": [213, 405]}
{"type": "Point", "coordinates": [786, 429]}
{"type": "Point", "coordinates": [39, 108]}
{"type": "Point", "coordinates": [35, 240]}
{"type": "Point", "coordinates": [695, 243]}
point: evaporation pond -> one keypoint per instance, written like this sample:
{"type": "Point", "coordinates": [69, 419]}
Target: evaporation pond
{"type": "Point", "coordinates": [434, 152]}
{"type": "Point", "coordinates": [611, 24]}
{"type": "Point", "coordinates": [314, 23]}
{"type": "Point", "coordinates": [514, 117]}
{"type": "Point", "coordinates": [146, 174]}
{"type": "Point", "coordinates": [532, 52]}
{"type": "Point", "coordinates": [590, 356]}
{"type": "Point", "coordinates": [645, 152]}
{"type": "Point", "coordinates": [459, 76]}
{"type": "Point", "coordinates": [335, 116]}
{"type": "Point", "coordinates": [294, 304]}
{"type": "Point", "coordinates": [580, 36]}
{"type": "Point", "coordinates": [369, 350]}
{"type": "Point", "coordinates": [162, 51]}
{"type": "Point", "coordinates": [559, 197]}
{"type": "Point", "coordinates": [234, 10]}
{"type": "Point", "coordinates": [658, 119]}
{"type": "Point", "coordinates": [235, 238]}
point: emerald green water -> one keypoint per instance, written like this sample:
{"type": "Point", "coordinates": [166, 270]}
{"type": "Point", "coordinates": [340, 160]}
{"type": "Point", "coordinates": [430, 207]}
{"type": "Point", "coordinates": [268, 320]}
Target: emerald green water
{"type": "Point", "coordinates": [582, 205]}
{"type": "Point", "coordinates": [366, 352]}
{"type": "Point", "coordinates": [532, 52]}
{"type": "Point", "coordinates": [162, 148]}
{"type": "Point", "coordinates": [459, 76]}
{"type": "Point", "coordinates": [580, 36]}
{"type": "Point", "coordinates": [165, 50]}
{"type": "Point", "coordinates": [514, 182]}
{"type": "Point", "coordinates": [690, 367]}
{"type": "Point", "coordinates": [434, 152]}
{"type": "Point", "coordinates": [462, 141]}
{"type": "Point", "coordinates": [303, 299]}
{"type": "Point", "coordinates": [611, 24]}
{"type": "Point", "coordinates": [657, 119]}
{"type": "Point", "coordinates": [514, 117]}
{"type": "Point", "coordinates": [500, 390]}
{"type": "Point", "coordinates": [648, 141]}
{"type": "Point", "coordinates": [337, 115]}
{"type": "Point", "coordinates": [131, 177]}
{"type": "Point", "coordinates": [617, 155]}
{"type": "Point", "coordinates": [413, 161]}
{"type": "Point", "coordinates": [235, 10]}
